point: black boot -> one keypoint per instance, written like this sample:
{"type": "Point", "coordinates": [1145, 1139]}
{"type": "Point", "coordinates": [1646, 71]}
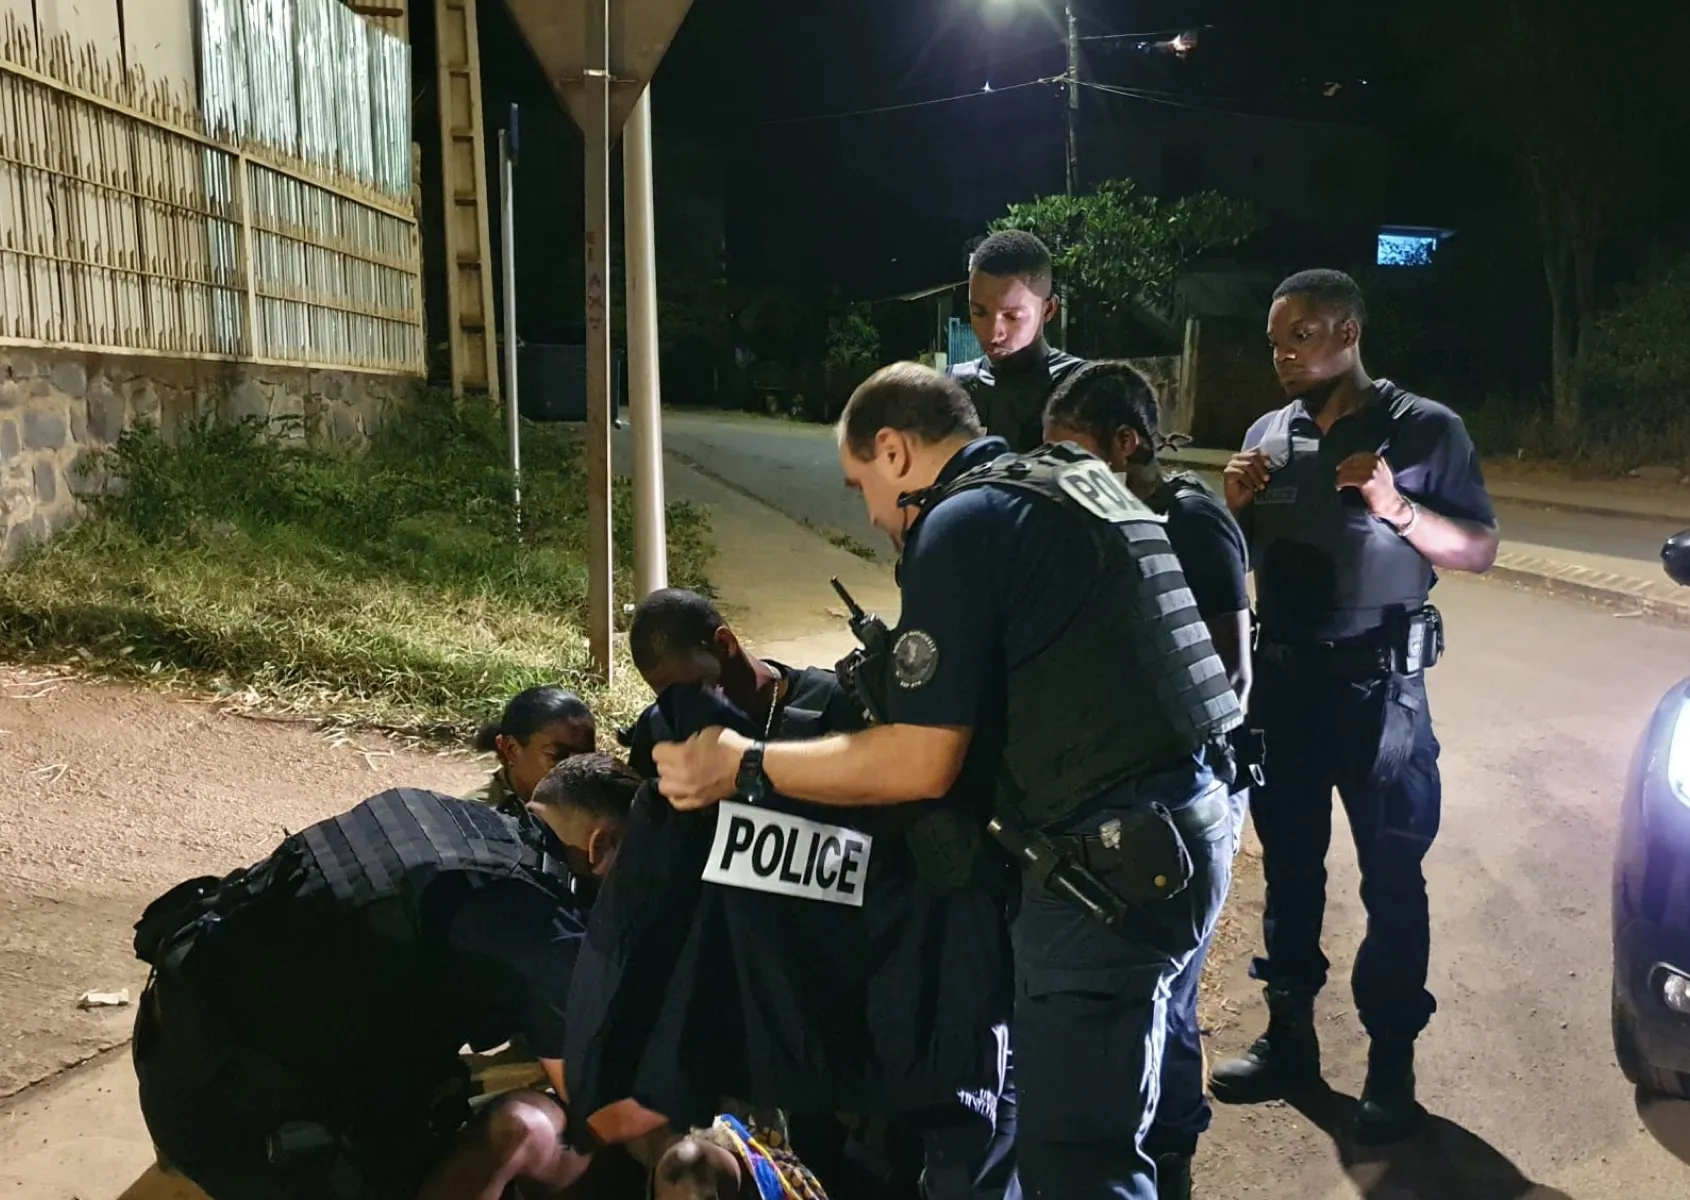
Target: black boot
{"type": "Point", "coordinates": [1284, 1060]}
{"type": "Point", "coordinates": [1173, 1177]}
{"type": "Point", "coordinates": [1388, 1112]}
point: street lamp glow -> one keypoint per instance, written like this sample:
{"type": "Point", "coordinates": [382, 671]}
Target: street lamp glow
{"type": "Point", "coordinates": [998, 13]}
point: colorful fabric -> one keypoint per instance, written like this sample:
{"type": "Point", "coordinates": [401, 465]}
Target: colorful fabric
{"type": "Point", "coordinates": [777, 1172]}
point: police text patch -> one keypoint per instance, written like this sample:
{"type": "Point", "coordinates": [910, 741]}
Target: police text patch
{"type": "Point", "coordinates": [915, 656]}
{"type": "Point", "coordinates": [768, 851]}
{"type": "Point", "coordinates": [1092, 486]}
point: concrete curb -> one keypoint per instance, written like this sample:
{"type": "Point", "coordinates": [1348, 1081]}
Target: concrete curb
{"type": "Point", "coordinates": [1658, 599]}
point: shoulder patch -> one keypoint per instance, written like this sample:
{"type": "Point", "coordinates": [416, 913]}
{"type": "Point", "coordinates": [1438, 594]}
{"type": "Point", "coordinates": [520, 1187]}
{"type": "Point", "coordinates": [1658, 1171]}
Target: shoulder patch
{"type": "Point", "coordinates": [915, 657]}
{"type": "Point", "coordinates": [1091, 485]}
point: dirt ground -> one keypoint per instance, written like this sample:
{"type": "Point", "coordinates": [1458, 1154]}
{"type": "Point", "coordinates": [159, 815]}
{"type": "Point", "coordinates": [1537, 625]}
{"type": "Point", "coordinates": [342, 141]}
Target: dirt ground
{"type": "Point", "coordinates": [108, 796]}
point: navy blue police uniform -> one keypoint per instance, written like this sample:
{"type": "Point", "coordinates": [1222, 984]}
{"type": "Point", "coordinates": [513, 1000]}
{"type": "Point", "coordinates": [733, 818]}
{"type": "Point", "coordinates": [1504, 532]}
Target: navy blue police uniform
{"type": "Point", "coordinates": [299, 1035]}
{"type": "Point", "coordinates": [1044, 610]}
{"type": "Point", "coordinates": [1211, 552]}
{"type": "Point", "coordinates": [1340, 691]}
{"type": "Point", "coordinates": [1010, 395]}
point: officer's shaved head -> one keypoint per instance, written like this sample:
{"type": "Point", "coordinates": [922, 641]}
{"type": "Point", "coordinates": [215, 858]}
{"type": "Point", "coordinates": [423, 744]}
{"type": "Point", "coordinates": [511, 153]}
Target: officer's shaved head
{"type": "Point", "coordinates": [595, 784]}
{"type": "Point", "coordinates": [1014, 253]}
{"type": "Point", "coordinates": [1331, 290]}
{"type": "Point", "coordinates": [910, 399]}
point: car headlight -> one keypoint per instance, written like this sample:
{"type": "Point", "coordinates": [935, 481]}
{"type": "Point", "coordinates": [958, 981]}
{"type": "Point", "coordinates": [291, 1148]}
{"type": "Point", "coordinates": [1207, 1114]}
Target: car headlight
{"type": "Point", "coordinates": [1678, 754]}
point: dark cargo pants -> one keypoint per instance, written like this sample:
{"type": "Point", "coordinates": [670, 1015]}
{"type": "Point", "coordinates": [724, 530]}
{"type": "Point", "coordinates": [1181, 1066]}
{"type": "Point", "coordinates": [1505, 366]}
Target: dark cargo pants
{"type": "Point", "coordinates": [1092, 1007]}
{"type": "Point", "coordinates": [1324, 733]}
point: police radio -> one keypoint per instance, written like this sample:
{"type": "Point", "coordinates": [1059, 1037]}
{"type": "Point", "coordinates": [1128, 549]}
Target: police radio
{"type": "Point", "coordinates": [860, 671]}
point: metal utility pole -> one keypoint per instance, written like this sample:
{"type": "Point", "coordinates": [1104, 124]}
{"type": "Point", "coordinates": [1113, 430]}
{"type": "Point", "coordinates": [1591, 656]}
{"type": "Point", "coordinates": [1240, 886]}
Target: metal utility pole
{"type": "Point", "coordinates": [596, 81]}
{"type": "Point", "coordinates": [1072, 112]}
{"type": "Point", "coordinates": [507, 227]}
{"type": "Point", "coordinates": [651, 551]}
{"type": "Point", "coordinates": [599, 67]}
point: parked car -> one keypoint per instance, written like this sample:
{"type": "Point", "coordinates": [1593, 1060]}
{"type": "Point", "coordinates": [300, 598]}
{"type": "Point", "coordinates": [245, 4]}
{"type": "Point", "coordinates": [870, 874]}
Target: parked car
{"type": "Point", "coordinates": [1652, 891]}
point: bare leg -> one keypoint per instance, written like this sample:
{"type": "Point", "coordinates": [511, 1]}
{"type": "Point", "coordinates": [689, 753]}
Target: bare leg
{"type": "Point", "coordinates": [518, 1139]}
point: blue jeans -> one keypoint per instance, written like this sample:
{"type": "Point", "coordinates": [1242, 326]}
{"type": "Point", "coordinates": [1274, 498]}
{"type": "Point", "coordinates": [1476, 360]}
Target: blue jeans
{"type": "Point", "coordinates": [1324, 733]}
{"type": "Point", "coordinates": [1091, 1006]}
{"type": "Point", "coordinates": [1183, 1113]}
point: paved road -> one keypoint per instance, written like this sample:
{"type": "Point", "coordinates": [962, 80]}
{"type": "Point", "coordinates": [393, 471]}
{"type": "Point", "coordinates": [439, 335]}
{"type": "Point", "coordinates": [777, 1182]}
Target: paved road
{"type": "Point", "coordinates": [793, 466]}
{"type": "Point", "coordinates": [1539, 704]}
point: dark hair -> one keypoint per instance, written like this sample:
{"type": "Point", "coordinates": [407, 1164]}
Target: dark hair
{"type": "Point", "coordinates": [911, 399]}
{"type": "Point", "coordinates": [668, 623]}
{"type": "Point", "coordinates": [531, 711]}
{"type": "Point", "coordinates": [1012, 252]}
{"type": "Point", "coordinates": [1329, 289]}
{"type": "Point", "coordinates": [1102, 397]}
{"type": "Point", "coordinates": [595, 783]}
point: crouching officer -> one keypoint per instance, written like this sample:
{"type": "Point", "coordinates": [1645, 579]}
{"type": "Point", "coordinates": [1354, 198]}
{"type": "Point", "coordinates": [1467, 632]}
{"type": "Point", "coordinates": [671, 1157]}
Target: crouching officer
{"type": "Point", "coordinates": [299, 1036]}
{"type": "Point", "coordinates": [1351, 496]}
{"type": "Point", "coordinates": [1049, 655]}
{"type": "Point", "coordinates": [1109, 409]}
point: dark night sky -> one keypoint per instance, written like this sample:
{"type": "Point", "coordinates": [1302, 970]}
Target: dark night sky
{"type": "Point", "coordinates": [865, 205]}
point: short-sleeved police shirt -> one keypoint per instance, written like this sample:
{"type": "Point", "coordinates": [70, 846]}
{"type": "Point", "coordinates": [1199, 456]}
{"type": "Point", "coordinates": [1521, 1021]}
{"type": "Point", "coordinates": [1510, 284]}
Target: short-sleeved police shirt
{"type": "Point", "coordinates": [1210, 548]}
{"type": "Point", "coordinates": [989, 577]}
{"type": "Point", "coordinates": [1326, 569]}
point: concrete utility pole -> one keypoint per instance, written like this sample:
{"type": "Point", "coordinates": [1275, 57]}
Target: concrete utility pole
{"type": "Point", "coordinates": [651, 549]}
{"type": "Point", "coordinates": [596, 79]}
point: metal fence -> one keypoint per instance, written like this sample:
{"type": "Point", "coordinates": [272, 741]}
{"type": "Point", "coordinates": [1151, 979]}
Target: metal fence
{"type": "Point", "coordinates": [129, 223]}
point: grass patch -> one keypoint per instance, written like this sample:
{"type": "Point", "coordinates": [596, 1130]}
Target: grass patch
{"type": "Point", "coordinates": [386, 588]}
{"type": "Point", "coordinates": [843, 541]}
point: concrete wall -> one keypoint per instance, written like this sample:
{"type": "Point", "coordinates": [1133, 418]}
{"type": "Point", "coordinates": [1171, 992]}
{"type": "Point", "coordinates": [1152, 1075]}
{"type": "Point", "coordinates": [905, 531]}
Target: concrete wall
{"type": "Point", "coordinates": [55, 406]}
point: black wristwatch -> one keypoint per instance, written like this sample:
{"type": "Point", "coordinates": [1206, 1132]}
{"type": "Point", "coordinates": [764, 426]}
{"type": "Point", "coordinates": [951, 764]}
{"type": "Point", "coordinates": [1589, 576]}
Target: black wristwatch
{"type": "Point", "coordinates": [750, 782]}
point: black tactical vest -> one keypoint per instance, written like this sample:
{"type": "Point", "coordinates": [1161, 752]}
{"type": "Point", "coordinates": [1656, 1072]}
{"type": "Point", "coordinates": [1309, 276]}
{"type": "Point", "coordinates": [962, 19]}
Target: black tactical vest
{"type": "Point", "coordinates": [1132, 684]}
{"type": "Point", "coordinates": [1327, 570]}
{"type": "Point", "coordinates": [1010, 399]}
{"type": "Point", "coordinates": [382, 854]}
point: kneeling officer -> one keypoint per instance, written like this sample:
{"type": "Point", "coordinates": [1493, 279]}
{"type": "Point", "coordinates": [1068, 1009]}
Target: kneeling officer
{"type": "Point", "coordinates": [300, 1033]}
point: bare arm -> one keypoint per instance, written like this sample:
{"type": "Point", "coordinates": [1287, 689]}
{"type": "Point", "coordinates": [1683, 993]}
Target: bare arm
{"type": "Point", "coordinates": [1447, 542]}
{"type": "Point", "coordinates": [1230, 633]}
{"type": "Point", "coordinates": [888, 764]}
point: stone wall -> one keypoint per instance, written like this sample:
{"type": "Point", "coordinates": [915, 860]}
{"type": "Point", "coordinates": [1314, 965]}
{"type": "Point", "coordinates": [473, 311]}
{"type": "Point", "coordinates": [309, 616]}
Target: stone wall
{"type": "Point", "coordinates": [55, 406]}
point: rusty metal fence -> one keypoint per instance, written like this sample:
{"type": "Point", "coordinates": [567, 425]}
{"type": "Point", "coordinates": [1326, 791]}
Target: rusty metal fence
{"type": "Point", "coordinates": [131, 224]}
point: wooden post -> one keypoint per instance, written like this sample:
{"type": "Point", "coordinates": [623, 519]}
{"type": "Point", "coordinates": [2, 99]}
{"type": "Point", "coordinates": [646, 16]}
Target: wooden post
{"type": "Point", "coordinates": [249, 271]}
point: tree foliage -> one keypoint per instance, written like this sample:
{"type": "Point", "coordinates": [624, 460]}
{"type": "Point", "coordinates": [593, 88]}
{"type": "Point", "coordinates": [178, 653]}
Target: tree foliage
{"type": "Point", "coordinates": [1120, 245]}
{"type": "Point", "coordinates": [1639, 352]}
{"type": "Point", "coordinates": [1580, 100]}
{"type": "Point", "coordinates": [852, 339]}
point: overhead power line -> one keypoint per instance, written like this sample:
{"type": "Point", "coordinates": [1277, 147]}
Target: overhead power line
{"type": "Point", "coordinates": [988, 90]}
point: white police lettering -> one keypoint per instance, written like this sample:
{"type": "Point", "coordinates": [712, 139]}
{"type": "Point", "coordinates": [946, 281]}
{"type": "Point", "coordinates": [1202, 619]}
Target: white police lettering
{"type": "Point", "coordinates": [769, 851]}
{"type": "Point", "coordinates": [1091, 485]}
{"type": "Point", "coordinates": [1285, 493]}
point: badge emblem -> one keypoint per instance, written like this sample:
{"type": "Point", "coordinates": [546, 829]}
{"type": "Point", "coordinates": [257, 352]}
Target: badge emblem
{"type": "Point", "coordinates": [915, 657]}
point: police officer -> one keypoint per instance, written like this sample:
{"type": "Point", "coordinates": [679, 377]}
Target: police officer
{"type": "Point", "coordinates": [1048, 654]}
{"type": "Point", "coordinates": [1109, 409]}
{"type": "Point", "coordinates": [299, 1036]}
{"type": "Point", "coordinates": [1350, 497]}
{"type": "Point", "coordinates": [538, 729]}
{"type": "Point", "coordinates": [1010, 301]}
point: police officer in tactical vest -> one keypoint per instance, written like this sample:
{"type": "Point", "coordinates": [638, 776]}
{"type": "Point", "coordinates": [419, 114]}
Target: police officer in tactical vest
{"type": "Point", "coordinates": [299, 1035]}
{"type": "Point", "coordinates": [1351, 497]}
{"type": "Point", "coordinates": [1049, 666]}
{"type": "Point", "coordinates": [1011, 299]}
{"type": "Point", "coordinates": [1110, 410]}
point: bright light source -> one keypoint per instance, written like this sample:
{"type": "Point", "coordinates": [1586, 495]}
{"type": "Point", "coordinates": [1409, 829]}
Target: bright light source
{"type": "Point", "coordinates": [1675, 990]}
{"type": "Point", "coordinates": [1678, 755]}
{"type": "Point", "coordinates": [998, 13]}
